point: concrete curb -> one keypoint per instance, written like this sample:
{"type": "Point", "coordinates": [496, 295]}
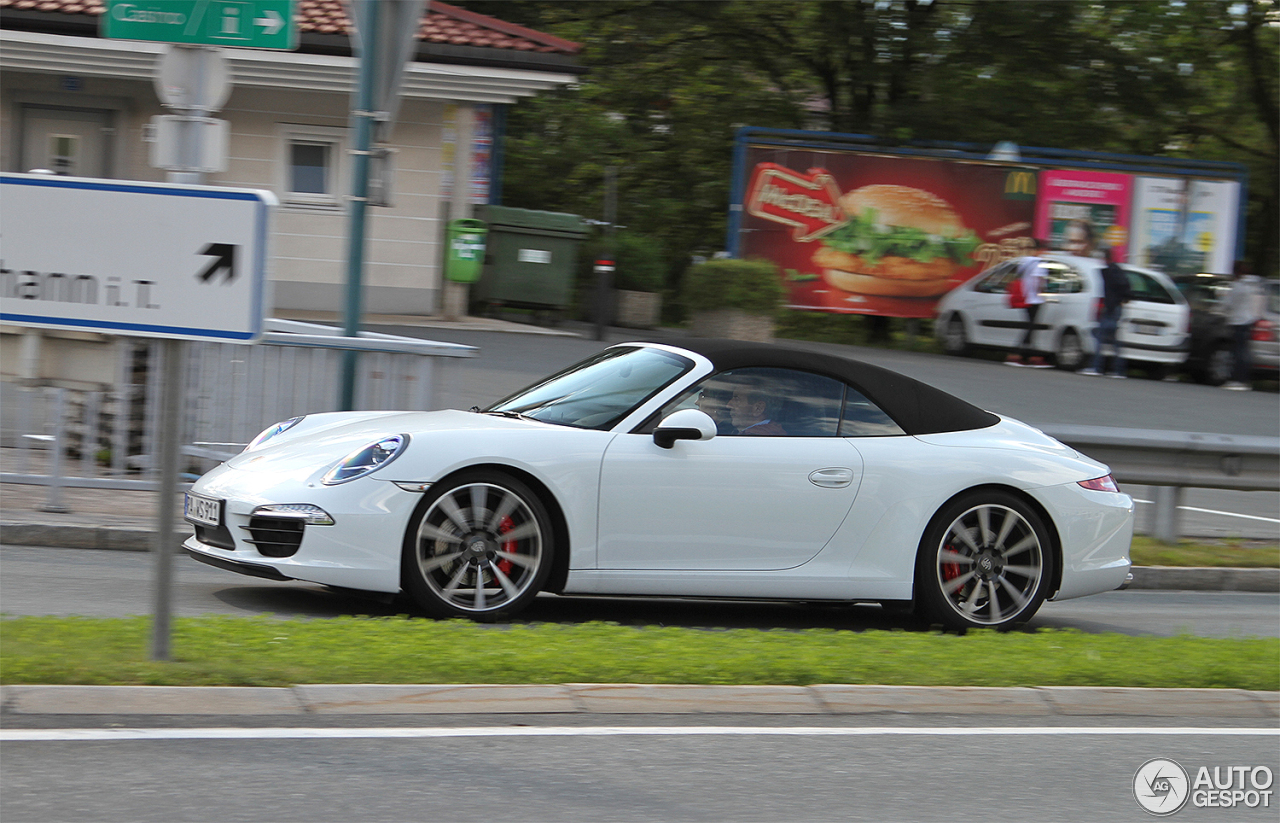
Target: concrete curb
{"type": "Point", "coordinates": [117, 538]}
{"type": "Point", "coordinates": [634, 698]}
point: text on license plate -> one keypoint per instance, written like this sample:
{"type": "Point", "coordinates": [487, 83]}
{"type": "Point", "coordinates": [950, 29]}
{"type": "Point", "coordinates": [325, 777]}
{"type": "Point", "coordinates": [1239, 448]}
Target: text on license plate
{"type": "Point", "coordinates": [202, 510]}
{"type": "Point", "coordinates": [1147, 328]}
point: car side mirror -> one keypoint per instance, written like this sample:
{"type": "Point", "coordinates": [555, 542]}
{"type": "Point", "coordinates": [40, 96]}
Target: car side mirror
{"type": "Point", "coordinates": [686, 424]}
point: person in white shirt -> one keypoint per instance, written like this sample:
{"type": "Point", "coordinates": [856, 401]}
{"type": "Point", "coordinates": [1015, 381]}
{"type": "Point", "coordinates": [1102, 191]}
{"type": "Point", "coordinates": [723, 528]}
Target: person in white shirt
{"type": "Point", "coordinates": [1243, 308]}
{"type": "Point", "coordinates": [1031, 273]}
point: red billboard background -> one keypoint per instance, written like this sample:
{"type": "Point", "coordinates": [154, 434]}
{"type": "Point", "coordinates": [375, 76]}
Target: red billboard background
{"type": "Point", "coordinates": [792, 201]}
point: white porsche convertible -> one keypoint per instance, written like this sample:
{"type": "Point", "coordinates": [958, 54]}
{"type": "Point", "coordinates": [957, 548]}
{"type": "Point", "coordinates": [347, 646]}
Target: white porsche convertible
{"type": "Point", "coordinates": [713, 469]}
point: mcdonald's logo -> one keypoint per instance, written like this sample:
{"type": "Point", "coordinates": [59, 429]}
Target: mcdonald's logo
{"type": "Point", "coordinates": [1020, 185]}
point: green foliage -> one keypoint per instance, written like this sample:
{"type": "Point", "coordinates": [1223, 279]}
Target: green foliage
{"type": "Point", "coordinates": [639, 261]}
{"type": "Point", "coordinates": [755, 286]}
{"type": "Point", "coordinates": [238, 651]}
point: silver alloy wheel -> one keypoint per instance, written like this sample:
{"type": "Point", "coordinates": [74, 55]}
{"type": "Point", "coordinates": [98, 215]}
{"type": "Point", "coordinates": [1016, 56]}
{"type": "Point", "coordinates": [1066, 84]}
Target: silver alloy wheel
{"type": "Point", "coordinates": [989, 564]}
{"type": "Point", "coordinates": [479, 547]}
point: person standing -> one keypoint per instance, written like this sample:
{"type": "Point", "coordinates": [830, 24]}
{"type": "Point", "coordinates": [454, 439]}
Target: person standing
{"type": "Point", "coordinates": [1115, 293]}
{"type": "Point", "coordinates": [1243, 307]}
{"type": "Point", "coordinates": [1031, 276]}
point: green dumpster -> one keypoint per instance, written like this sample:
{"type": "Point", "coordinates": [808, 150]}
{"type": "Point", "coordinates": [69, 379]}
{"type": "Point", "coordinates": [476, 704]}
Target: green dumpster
{"type": "Point", "coordinates": [465, 256]}
{"type": "Point", "coordinates": [530, 260]}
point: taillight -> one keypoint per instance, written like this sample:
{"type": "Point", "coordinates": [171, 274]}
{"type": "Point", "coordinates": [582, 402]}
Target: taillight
{"type": "Point", "coordinates": [1106, 483]}
{"type": "Point", "coordinates": [1264, 331]}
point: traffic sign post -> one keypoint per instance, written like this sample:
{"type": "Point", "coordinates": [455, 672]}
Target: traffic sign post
{"type": "Point", "coordinates": [143, 259]}
{"type": "Point", "coordinates": [254, 24]}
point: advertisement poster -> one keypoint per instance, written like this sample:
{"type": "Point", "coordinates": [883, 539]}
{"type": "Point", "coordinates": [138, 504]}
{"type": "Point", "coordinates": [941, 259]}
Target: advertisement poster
{"type": "Point", "coordinates": [871, 234]}
{"type": "Point", "coordinates": [1185, 226]}
{"type": "Point", "coordinates": [481, 151]}
{"type": "Point", "coordinates": [1076, 205]}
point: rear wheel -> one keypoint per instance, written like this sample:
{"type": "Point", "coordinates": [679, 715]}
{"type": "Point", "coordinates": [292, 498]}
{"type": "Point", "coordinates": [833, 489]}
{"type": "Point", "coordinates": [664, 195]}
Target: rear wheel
{"type": "Point", "coordinates": [1070, 353]}
{"type": "Point", "coordinates": [984, 562]}
{"type": "Point", "coordinates": [480, 546]}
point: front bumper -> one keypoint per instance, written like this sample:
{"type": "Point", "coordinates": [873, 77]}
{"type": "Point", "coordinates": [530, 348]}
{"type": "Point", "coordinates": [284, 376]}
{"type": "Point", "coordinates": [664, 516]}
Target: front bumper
{"type": "Point", "coordinates": [361, 550]}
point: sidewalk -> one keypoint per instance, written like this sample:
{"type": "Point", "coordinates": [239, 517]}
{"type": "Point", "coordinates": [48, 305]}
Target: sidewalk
{"type": "Point", "coordinates": [125, 521]}
{"type": "Point", "coordinates": [633, 698]}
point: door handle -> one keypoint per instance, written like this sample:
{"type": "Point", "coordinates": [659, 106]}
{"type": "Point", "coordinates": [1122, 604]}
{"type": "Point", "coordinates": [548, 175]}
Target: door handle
{"type": "Point", "coordinates": [834, 478]}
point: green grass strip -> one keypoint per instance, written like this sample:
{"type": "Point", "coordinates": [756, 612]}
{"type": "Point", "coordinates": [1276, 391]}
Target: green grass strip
{"type": "Point", "coordinates": [263, 651]}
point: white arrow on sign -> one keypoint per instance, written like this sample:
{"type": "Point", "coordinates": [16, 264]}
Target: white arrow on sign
{"type": "Point", "coordinates": [271, 22]}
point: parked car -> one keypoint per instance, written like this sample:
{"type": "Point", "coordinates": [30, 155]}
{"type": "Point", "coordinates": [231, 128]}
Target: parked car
{"type": "Point", "coordinates": [1154, 330]}
{"type": "Point", "coordinates": [1212, 358]}
{"type": "Point", "coordinates": [1266, 335]}
{"type": "Point", "coordinates": [634, 472]}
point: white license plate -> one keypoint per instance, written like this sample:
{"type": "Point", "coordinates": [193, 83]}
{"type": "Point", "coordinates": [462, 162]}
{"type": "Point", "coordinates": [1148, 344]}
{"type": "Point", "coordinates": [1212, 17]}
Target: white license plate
{"type": "Point", "coordinates": [202, 510]}
{"type": "Point", "coordinates": [1146, 328]}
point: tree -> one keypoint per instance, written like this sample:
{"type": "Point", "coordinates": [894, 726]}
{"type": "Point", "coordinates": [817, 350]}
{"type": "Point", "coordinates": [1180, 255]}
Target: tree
{"type": "Point", "coordinates": [668, 83]}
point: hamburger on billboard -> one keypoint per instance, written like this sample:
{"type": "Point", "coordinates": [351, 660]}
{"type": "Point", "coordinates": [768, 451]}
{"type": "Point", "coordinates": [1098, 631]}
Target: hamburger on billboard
{"type": "Point", "coordinates": [872, 234]}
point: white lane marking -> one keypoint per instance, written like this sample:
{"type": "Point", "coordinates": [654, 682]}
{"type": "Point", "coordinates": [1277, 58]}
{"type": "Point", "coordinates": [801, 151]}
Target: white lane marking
{"type": "Point", "coordinates": [426, 732]}
{"type": "Point", "coordinates": [1215, 511]}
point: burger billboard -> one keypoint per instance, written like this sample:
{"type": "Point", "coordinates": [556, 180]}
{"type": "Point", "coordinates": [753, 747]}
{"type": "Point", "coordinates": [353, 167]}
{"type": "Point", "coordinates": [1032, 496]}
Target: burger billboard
{"type": "Point", "coordinates": [878, 234]}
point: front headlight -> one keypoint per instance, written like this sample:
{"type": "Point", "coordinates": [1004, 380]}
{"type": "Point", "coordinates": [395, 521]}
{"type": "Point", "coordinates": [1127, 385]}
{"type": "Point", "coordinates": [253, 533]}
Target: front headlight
{"type": "Point", "coordinates": [367, 459]}
{"type": "Point", "coordinates": [271, 431]}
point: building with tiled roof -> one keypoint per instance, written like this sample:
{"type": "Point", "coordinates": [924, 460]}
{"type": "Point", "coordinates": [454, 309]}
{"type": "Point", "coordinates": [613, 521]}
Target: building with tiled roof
{"type": "Point", "coordinates": [74, 102]}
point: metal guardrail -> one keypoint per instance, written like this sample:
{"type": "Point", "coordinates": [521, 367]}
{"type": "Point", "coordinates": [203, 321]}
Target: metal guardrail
{"type": "Point", "coordinates": [231, 393]}
{"type": "Point", "coordinates": [1171, 461]}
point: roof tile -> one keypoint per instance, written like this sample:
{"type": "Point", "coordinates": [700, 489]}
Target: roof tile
{"type": "Point", "coordinates": [442, 23]}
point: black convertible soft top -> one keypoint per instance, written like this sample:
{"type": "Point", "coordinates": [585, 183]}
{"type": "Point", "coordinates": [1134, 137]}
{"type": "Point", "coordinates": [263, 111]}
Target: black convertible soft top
{"type": "Point", "coordinates": [916, 407]}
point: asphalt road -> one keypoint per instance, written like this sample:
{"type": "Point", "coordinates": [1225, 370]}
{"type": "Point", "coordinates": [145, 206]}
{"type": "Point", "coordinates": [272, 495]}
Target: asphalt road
{"type": "Point", "coordinates": [39, 581]}
{"type": "Point", "coordinates": [643, 768]}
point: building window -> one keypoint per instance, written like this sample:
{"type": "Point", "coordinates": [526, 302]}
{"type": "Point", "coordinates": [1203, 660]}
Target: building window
{"type": "Point", "coordinates": [312, 165]}
{"type": "Point", "coordinates": [309, 167]}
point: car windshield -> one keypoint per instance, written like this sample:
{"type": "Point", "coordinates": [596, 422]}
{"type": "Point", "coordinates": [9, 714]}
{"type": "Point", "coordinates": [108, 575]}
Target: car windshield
{"type": "Point", "coordinates": [599, 391]}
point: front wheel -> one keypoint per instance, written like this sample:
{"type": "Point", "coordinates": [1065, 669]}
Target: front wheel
{"type": "Point", "coordinates": [1219, 366]}
{"type": "Point", "coordinates": [954, 339]}
{"type": "Point", "coordinates": [479, 546]}
{"type": "Point", "coordinates": [985, 561]}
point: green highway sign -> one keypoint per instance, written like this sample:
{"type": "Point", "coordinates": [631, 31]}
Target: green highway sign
{"type": "Point", "coordinates": [253, 24]}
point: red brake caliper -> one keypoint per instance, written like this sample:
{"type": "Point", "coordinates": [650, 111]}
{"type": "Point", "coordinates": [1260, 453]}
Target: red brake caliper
{"type": "Point", "coordinates": [950, 571]}
{"type": "Point", "coordinates": [509, 547]}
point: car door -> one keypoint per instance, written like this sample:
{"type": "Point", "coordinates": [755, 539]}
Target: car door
{"type": "Point", "coordinates": [1154, 319]}
{"type": "Point", "coordinates": [1070, 295]}
{"type": "Point", "coordinates": [993, 322]}
{"type": "Point", "coordinates": [736, 502]}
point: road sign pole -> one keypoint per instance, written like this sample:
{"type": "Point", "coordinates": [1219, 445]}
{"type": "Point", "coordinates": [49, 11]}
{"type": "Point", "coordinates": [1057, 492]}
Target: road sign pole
{"type": "Point", "coordinates": [362, 123]}
{"type": "Point", "coordinates": [173, 352]}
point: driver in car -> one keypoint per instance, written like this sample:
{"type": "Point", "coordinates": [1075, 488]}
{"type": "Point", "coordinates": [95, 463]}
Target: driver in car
{"type": "Point", "coordinates": [752, 409]}
{"type": "Point", "coordinates": [713, 401]}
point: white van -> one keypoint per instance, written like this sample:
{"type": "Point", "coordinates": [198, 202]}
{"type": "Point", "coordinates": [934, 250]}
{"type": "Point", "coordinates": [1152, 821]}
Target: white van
{"type": "Point", "coordinates": [1154, 331]}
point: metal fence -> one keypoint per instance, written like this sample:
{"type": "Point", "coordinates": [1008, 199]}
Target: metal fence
{"type": "Point", "coordinates": [61, 437]}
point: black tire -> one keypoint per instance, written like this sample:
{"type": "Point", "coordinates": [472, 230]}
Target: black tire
{"type": "Point", "coordinates": [481, 526]}
{"type": "Point", "coordinates": [1219, 366]}
{"type": "Point", "coordinates": [954, 339]}
{"type": "Point", "coordinates": [982, 543]}
{"type": "Point", "coordinates": [1070, 352]}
